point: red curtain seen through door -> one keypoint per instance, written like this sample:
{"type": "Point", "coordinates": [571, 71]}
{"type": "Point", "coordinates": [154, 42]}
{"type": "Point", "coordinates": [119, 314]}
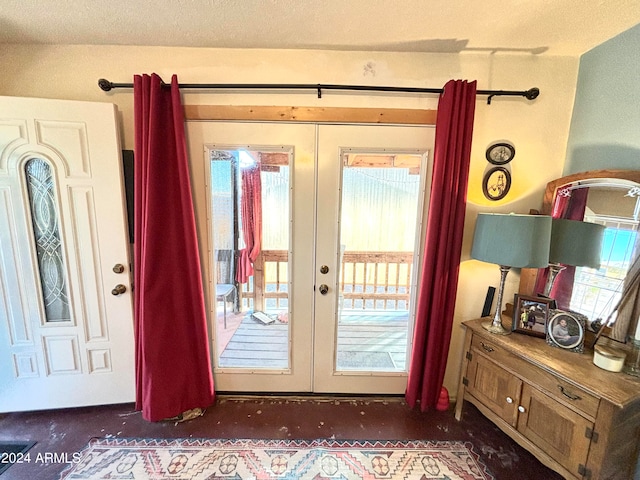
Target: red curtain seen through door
{"type": "Point", "coordinates": [251, 205]}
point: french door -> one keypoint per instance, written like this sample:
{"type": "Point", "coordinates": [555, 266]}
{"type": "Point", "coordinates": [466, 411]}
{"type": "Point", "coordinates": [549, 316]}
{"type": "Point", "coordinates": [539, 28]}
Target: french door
{"type": "Point", "coordinates": [325, 302]}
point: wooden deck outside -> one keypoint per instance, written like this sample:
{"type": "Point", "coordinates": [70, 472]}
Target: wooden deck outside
{"type": "Point", "coordinates": [374, 295]}
{"type": "Point", "coordinates": [369, 342]}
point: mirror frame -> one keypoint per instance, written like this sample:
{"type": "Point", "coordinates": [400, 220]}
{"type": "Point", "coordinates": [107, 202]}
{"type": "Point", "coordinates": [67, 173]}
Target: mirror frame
{"type": "Point", "coordinates": [528, 275]}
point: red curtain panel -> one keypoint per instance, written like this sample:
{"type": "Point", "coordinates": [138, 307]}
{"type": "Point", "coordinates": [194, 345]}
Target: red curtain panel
{"type": "Point", "coordinates": [443, 244]}
{"type": "Point", "coordinates": [251, 206]}
{"type": "Point", "coordinates": [173, 370]}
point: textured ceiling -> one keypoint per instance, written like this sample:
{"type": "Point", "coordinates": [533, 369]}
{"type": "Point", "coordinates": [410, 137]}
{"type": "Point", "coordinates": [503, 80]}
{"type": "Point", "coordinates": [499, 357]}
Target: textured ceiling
{"type": "Point", "coordinates": [550, 27]}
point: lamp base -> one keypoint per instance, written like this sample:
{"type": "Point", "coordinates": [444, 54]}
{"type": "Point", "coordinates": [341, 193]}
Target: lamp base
{"type": "Point", "coordinates": [495, 325]}
{"type": "Point", "coordinates": [554, 270]}
{"type": "Point", "coordinates": [497, 329]}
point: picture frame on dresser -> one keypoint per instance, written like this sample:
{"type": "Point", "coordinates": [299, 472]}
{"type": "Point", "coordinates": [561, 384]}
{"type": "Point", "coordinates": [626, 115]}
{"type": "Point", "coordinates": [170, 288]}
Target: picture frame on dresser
{"type": "Point", "coordinates": [530, 315]}
{"type": "Point", "coordinates": [566, 329]}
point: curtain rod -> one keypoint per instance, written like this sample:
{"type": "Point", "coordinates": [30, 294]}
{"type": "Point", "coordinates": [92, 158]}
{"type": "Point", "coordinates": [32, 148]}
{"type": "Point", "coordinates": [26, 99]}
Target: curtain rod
{"type": "Point", "coordinates": [530, 94]}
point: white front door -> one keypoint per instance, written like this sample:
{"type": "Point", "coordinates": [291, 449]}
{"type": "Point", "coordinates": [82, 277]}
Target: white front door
{"type": "Point", "coordinates": [66, 317]}
{"type": "Point", "coordinates": [312, 333]}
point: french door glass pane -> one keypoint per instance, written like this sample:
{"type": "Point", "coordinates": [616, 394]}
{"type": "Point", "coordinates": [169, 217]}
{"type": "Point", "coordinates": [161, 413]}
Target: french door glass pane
{"type": "Point", "coordinates": [250, 193]}
{"type": "Point", "coordinates": [379, 200]}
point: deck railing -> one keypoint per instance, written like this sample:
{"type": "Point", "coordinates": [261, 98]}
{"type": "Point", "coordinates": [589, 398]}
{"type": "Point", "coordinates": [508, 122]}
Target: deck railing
{"type": "Point", "coordinates": [376, 280]}
{"type": "Point", "coordinates": [369, 280]}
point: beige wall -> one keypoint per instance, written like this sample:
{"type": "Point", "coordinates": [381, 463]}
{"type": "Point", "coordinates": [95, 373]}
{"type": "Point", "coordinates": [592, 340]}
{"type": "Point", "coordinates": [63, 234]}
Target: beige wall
{"type": "Point", "coordinates": [538, 129]}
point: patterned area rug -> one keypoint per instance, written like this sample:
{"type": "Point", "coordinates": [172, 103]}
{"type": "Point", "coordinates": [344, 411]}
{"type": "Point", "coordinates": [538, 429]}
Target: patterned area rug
{"type": "Point", "coordinates": [118, 458]}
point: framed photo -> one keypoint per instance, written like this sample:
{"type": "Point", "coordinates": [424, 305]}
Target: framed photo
{"type": "Point", "coordinates": [530, 315]}
{"type": "Point", "coordinates": [565, 329]}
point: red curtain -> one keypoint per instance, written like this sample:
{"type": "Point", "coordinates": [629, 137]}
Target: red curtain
{"type": "Point", "coordinates": [443, 244]}
{"type": "Point", "coordinates": [173, 370]}
{"type": "Point", "coordinates": [251, 206]}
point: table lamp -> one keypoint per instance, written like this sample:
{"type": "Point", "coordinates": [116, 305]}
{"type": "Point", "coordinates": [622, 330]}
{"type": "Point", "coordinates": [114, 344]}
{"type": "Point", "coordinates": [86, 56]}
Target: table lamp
{"type": "Point", "coordinates": [574, 243]}
{"type": "Point", "coordinates": [510, 240]}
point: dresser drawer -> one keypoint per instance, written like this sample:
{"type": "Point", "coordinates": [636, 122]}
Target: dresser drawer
{"type": "Point", "coordinates": [500, 355]}
{"type": "Point", "coordinates": [557, 388]}
{"type": "Point", "coordinates": [565, 392]}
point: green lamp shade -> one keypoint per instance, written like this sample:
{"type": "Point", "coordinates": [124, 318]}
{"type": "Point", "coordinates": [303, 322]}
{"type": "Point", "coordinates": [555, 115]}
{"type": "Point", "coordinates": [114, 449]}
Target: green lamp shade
{"type": "Point", "coordinates": [576, 243]}
{"type": "Point", "coordinates": [513, 240]}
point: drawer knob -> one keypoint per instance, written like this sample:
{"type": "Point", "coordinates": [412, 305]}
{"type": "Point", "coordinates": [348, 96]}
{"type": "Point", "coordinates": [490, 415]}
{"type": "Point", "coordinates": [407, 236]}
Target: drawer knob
{"type": "Point", "coordinates": [569, 394]}
{"type": "Point", "coordinates": [521, 409]}
{"type": "Point", "coordinates": [509, 400]}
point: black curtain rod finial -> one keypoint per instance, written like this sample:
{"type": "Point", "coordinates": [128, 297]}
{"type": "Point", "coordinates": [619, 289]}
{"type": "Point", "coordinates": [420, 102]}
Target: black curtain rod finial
{"type": "Point", "coordinates": [532, 93]}
{"type": "Point", "coordinates": [105, 84]}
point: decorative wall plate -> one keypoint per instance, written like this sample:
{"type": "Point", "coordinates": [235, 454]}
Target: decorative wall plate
{"type": "Point", "coordinates": [496, 183]}
{"type": "Point", "coordinates": [500, 153]}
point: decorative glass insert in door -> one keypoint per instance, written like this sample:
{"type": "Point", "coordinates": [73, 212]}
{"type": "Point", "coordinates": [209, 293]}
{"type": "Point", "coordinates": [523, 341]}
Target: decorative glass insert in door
{"type": "Point", "coordinates": [250, 192]}
{"type": "Point", "coordinates": [380, 197]}
{"type": "Point", "coordinates": [46, 234]}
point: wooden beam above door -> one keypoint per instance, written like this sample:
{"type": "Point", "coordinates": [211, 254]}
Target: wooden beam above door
{"type": "Point", "coordinates": [310, 114]}
{"type": "Point", "coordinates": [412, 162]}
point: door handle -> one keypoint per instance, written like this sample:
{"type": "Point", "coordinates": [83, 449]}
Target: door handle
{"type": "Point", "coordinates": [323, 289]}
{"type": "Point", "coordinates": [118, 290]}
{"type": "Point", "coordinates": [118, 268]}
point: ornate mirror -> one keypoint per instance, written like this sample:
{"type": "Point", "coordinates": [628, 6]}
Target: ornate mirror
{"type": "Point", "coordinates": [610, 293]}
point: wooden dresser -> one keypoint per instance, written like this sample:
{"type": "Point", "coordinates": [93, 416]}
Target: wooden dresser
{"type": "Point", "coordinates": [579, 420]}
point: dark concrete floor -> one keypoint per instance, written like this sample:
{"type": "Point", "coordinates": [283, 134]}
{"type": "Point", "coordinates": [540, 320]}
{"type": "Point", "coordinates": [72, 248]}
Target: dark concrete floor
{"type": "Point", "coordinates": [266, 417]}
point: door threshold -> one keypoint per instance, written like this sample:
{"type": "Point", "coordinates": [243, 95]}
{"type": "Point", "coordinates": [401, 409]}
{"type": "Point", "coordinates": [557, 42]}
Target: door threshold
{"type": "Point", "coordinates": [311, 397]}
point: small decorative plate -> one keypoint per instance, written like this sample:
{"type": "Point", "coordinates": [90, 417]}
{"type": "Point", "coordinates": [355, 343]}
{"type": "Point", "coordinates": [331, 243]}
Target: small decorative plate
{"type": "Point", "coordinates": [500, 153]}
{"type": "Point", "coordinates": [496, 183]}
